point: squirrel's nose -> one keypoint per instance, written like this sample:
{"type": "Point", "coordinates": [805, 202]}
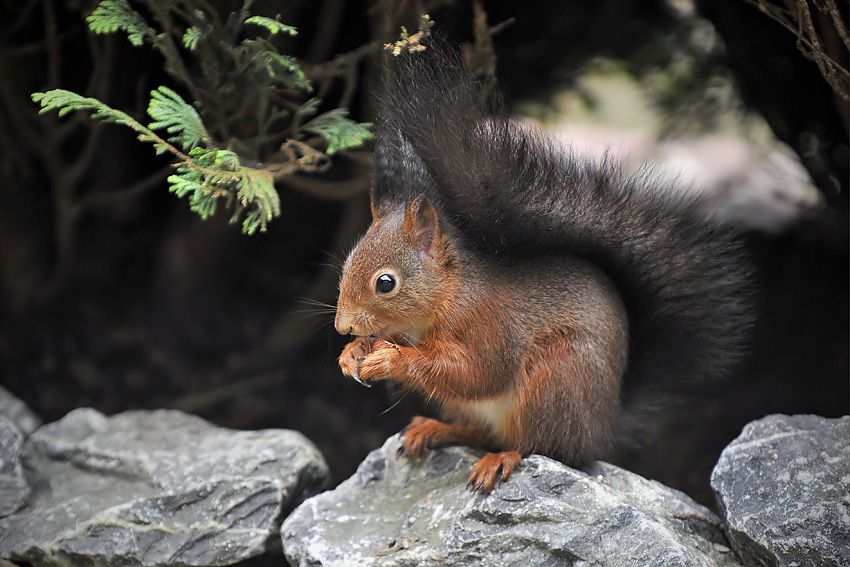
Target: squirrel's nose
{"type": "Point", "coordinates": [342, 322]}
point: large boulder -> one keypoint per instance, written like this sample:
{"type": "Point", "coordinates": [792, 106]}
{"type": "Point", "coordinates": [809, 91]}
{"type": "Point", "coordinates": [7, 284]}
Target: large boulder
{"type": "Point", "coordinates": [153, 488]}
{"type": "Point", "coordinates": [400, 512]}
{"type": "Point", "coordinates": [784, 488]}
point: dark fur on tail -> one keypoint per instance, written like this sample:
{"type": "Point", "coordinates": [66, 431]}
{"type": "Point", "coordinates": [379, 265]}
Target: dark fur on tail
{"type": "Point", "coordinates": [509, 193]}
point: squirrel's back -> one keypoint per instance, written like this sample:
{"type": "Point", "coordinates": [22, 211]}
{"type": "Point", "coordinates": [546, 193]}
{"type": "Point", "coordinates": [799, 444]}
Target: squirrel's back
{"type": "Point", "coordinates": [511, 194]}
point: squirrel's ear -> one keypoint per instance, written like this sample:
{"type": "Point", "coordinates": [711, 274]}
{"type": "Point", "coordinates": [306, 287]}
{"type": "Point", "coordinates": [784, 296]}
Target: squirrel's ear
{"type": "Point", "coordinates": [422, 225]}
{"type": "Point", "coordinates": [373, 205]}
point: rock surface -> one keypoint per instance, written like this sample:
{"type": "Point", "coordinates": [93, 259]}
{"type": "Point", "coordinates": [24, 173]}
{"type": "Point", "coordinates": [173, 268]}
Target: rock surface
{"type": "Point", "coordinates": [784, 487]}
{"type": "Point", "coordinates": [156, 488]}
{"type": "Point", "coordinates": [18, 412]}
{"type": "Point", "coordinates": [13, 485]}
{"type": "Point", "coordinates": [17, 421]}
{"type": "Point", "coordinates": [398, 512]}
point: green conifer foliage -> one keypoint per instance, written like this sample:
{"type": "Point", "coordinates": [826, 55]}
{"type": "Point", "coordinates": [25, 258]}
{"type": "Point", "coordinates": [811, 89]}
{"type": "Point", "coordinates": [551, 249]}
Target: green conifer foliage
{"type": "Point", "coordinates": [113, 15]}
{"type": "Point", "coordinates": [247, 125]}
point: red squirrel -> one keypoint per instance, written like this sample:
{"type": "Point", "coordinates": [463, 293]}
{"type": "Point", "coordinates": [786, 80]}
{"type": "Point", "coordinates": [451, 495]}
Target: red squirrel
{"type": "Point", "coordinates": [543, 302]}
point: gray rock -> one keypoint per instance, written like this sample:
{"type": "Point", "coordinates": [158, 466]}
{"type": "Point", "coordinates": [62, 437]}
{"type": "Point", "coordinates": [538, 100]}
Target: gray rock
{"type": "Point", "coordinates": [784, 487]}
{"type": "Point", "coordinates": [17, 421]}
{"type": "Point", "coordinates": [156, 488]}
{"type": "Point", "coordinates": [18, 412]}
{"type": "Point", "coordinates": [13, 485]}
{"type": "Point", "coordinates": [398, 512]}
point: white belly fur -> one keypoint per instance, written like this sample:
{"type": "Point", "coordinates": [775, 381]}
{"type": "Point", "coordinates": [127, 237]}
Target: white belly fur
{"type": "Point", "coordinates": [493, 413]}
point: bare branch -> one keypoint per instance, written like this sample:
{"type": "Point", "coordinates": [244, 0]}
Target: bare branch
{"type": "Point", "coordinates": [838, 22]}
{"type": "Point", "coordinates": [142, 186]}
{"type": "Point", "coordinates": [54, 58]}
{"type": "Point", "coordinates": [801, 24]}
{"type": "Point", "coordinates": [339, 65]}
{"type": "Point", "coordinates": [327, 29]}
{"type": "Point", "coordinates": [336, 190]}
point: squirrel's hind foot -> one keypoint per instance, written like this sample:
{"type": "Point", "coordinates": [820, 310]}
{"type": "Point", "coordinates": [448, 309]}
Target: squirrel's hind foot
{"type": "Point", "coordinates": [486, 471]}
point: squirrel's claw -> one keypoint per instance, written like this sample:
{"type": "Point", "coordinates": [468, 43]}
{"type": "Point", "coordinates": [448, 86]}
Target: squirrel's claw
{"type": "Point", "coordinates": [417, 436]}
{"type": "Point", "coordinates": [352, 357]}
{"type": "Point", "coordinates": [356, 375]}
{"type": "Point", "coordinates": [487, 471]}
{"type": "Point", "coordinates": [367, 359]}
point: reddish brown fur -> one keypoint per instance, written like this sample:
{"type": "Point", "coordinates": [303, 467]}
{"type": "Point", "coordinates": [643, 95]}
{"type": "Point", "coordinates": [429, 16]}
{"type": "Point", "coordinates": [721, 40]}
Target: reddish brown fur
{"type": "Point", "coordinates": [423, 432]}
{"type": "Point", "coordinates": [487, 470]}
{"type": "Point", "coordinates": [520, 364]}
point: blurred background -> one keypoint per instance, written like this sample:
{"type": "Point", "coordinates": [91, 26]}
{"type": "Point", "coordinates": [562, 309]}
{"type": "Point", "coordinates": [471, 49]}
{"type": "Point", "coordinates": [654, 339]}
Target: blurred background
{"type": "Point", "coordinates": [114, 295]}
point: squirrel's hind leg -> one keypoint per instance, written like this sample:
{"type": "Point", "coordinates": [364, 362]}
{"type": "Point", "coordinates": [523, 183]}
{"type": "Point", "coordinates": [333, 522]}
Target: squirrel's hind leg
{"type": "Point", "coordinates": [424, 432]}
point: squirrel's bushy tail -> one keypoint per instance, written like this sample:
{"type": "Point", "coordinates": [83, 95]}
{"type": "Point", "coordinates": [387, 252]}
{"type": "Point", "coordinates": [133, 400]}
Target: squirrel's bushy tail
{"type": "Point", "coordinates": [509, 192]}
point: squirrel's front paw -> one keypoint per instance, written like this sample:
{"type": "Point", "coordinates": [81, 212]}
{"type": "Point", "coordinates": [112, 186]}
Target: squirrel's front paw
{"type": "Point", "coordinates": [379, 364]}
{"type": "Point", "coordinates": [353, 355]}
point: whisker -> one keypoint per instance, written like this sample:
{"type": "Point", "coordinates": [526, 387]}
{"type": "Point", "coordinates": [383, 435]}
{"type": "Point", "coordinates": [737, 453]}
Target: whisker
{"type": "Point", "coordinates": [335, 267]}
{"type": "Point", "coordinates": [313, 311]}
{"type": "Point", "coordinates": [311, 301]}
{"type": "Point", "coordinates": [319, 307]}
{"type": "Point", "coordinates": [386, 411]}
{"type": "Point", "coordinates": [406, 337]}
{"type": "Point", "coordinates": [317, 328]}
{"type": "Point", "coordinates": [363, 320]}
{"type": "Point", "coordinates": [387, 337]}
{"type": "Point", "coordinates": [336, 258]}
{"type": "Point", "coordinates": [409, 339]}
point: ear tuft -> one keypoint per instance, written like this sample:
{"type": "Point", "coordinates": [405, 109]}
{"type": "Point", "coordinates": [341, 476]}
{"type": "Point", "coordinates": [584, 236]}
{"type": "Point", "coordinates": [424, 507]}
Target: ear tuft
{"type": "Point", "coordinates": [422, 225]}
{"type": "Point", "coordinates": [376, 206]}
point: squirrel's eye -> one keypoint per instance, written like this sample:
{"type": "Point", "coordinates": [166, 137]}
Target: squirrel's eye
{"type": "Point", "coordinates": [385, 283]}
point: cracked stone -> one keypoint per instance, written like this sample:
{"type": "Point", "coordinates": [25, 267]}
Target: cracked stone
{"type": "Point", "coordinates": [156, 488]}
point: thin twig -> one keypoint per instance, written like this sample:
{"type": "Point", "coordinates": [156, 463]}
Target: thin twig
{"type": "Point", "coordinates": [206, 8]}
{"type": "Point", "coordinates": [194, 403]}
{"type": "Point", "coordinates": [698, 518]}
{"type": "Point", "coordinates": [327, 30]}
{"type": "Point", "coordinates": [335, 190]}
{"type": "Point", "coordinates": [808, 41]}
{"type": "Point", "coordinates": [350, 88]}
{"type": "Point", "coordinates": [838, 22]}
{"type": "Point", "coordinates": [142, 186]}
{"type": "Point", "coordinates": [25, 131]}
{"type": "Point", "coordinates": [54, 58]}
{"type": "Point", "coordinates": [33, 48]}
{"type": "Point", "coordinates": [340, 64]}
{"type": "Point", "coordinates": [21, 21]}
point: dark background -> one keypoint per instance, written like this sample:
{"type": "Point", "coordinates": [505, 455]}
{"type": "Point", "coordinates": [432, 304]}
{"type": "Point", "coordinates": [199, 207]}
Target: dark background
{"type": "Point", "coordinates": [133, 302]}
